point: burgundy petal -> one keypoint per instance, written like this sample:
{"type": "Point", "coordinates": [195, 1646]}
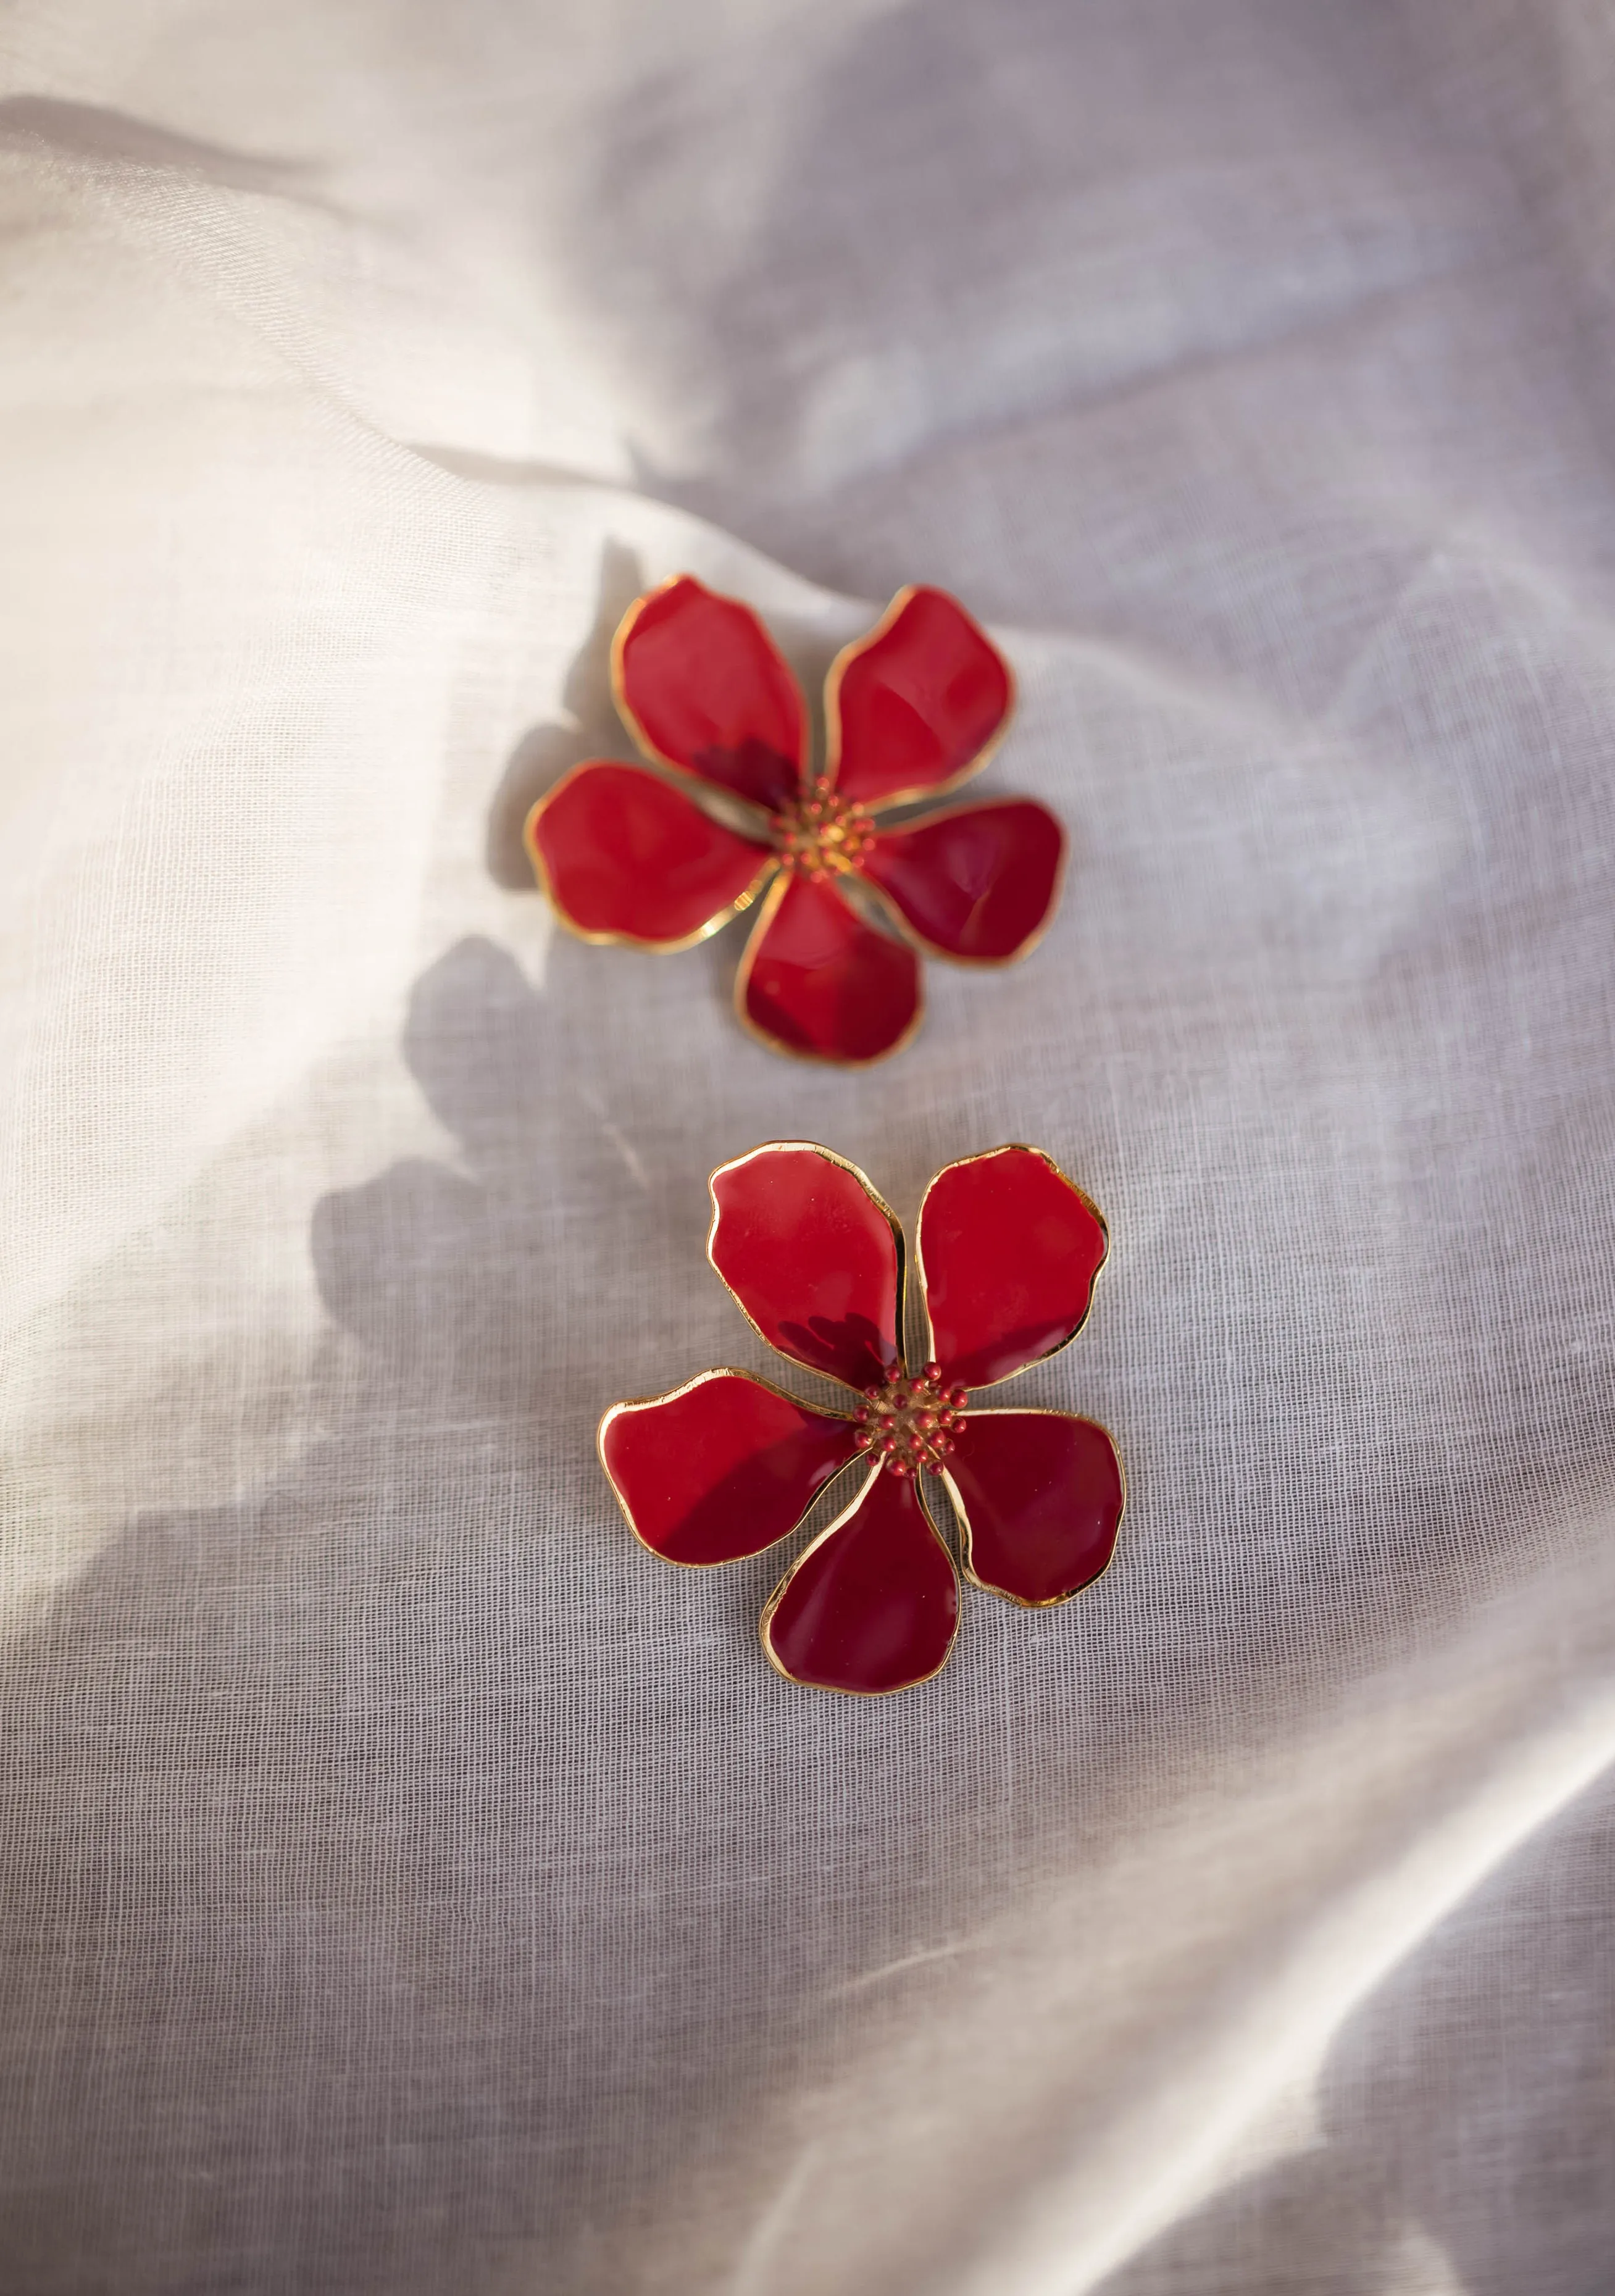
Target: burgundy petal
{"type": "Point", "coordinates": [814, 1257]}
{"type": "Point", "coordinates": [721, 1467]}
{"type": "Point", "coordinates": [817, 981]}
{"type": "Point", "coordinates": [915, 706]}
{"type": "Point", "coordinates": [978, 882]}
{"type": "Point", "coordinates": [703, 685]}
{"type": "Point", "coordinates": [1008, 1251]}
{"type": "Point", "coordinates": [1039, 1496]}
{"type": "Point", "coordinates": [624, 856]}
{"type": "Point", "coordinates": [873, 1605]}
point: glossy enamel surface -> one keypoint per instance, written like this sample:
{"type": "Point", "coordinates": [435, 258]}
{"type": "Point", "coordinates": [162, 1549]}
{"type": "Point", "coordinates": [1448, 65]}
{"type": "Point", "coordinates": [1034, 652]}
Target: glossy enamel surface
{"type": "Point", "coordinates": [872, 1606]}
{"type": "Point", "coordinates": [724, 1465]}
{"type": "Point", "coordinates": [625, 856]}
{"type": "Point", "coordinates": [1040, 1498]}
{"type": "Point", "coordinates": [977, 882]}
{"type": "Point", "coordinates": [704, 686]}
{"type": "Point", "coordinates": [830, 972]}
{"type": "Point", "coordinates": [720, 1468]}
{"type": "Point", "coordinates": [913, 707]}
{"type": "Point", "coordinates": [1008, 1249]}
{"type": "Point", "coordinates": [813, 1256]}
{"type": "Point", "coordinates": [817, 981]}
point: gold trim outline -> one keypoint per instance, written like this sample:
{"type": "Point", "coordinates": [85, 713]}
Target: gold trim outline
{"type": "Point", "coordinates": [772, 899]}
{"type": "Point", "coordinates": [620, 695]}
{"type": "Point", "coordinates": [832, 706]}
{"type": "Point", "coordinates": [829, 1531]}
{"type": "Point", "coordinates": [962, 1513]}
{"type": "Point", "coordinates": [530, 839]}
{"type": "Point", "coordinates": [1004, 1148]}
{"type": "Point", "coordinates": [951, 956]}
{"type": "Point", "coordinates": [649, 1403]}
{"type": "Point", "coordinates": [812, 1148]}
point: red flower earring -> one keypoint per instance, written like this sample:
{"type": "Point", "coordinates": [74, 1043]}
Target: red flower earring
{"type": "Point", "coordinates": [661, 859]}
{"type": "Point", "coordinates": [728, 1464]}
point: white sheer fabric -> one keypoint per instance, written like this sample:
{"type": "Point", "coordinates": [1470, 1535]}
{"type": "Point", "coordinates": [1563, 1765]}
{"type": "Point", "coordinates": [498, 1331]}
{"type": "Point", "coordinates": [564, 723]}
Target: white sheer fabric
{"type": "Point", "coordinates": [408, 1885]}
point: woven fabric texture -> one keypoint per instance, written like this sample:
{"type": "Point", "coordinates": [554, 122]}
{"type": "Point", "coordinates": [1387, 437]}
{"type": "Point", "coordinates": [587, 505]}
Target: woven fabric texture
{"type": "Point", "coordinates": [407, 1885]}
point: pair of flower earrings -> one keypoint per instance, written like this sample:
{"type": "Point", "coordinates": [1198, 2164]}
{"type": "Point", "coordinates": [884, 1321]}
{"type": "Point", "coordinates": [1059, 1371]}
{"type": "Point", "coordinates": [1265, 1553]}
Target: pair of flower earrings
{"type": "Point", "coordinates": [851, 887]}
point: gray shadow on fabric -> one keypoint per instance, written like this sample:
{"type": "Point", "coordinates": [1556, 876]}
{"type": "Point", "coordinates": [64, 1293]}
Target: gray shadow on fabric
{"type": "Point", "coordinates": [278, 1759]}
{"type": "Point", "coordinates": [331, 1907]}
{"type": "Point", "coordinates": [943, 230]}
{"type": "Point", "coordinates": [437, 1272]}
{"type": "Point", "coordinates": [280, 1953]}
{"type": "Point", "coordinates": [342, 1815]}
{"type": "Point", "coordinates": [595, 730]}
{"type": "Point", "coordinates": [1443, 2106]}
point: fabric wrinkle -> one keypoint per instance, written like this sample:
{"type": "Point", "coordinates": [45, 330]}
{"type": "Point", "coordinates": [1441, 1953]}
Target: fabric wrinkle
{"type": "Point", "coordinates": [408, 1884]}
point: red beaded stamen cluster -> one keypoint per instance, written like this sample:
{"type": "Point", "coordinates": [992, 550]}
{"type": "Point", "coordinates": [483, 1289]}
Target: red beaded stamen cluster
{"type": "Point", "coordinates": [726, 1465]}
{"type": "Point", "coordinates": [822, 834]}
{"type": "Point", "coordinates": [910, 1423]}
{"type": "Point", "coordinates": [849, 885]}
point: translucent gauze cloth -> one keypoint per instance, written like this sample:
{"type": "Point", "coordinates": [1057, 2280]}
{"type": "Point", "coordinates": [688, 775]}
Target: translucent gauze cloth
{"type": "Point", "coordinates": [407, 1882]}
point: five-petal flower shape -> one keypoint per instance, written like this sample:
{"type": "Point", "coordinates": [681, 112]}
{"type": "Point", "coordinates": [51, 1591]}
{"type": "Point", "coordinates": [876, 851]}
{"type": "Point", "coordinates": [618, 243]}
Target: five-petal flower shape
{"type": "Point", "coordinates": [726, 817]}
{"type": "Point", "coordinates": [728, 1464]}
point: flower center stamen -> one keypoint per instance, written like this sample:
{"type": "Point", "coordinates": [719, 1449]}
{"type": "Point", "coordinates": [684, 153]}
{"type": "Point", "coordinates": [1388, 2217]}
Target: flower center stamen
{"type": "Point", "coordinates": [909, 1424]}
{"type": "Point", "coordinates": [821, 834]}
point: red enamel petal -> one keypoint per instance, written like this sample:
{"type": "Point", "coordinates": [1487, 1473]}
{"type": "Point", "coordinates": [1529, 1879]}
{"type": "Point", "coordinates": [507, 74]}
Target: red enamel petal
{"type": "Point", "coordinates": [873, 1603]}
{"type": "Point", "coordinates": [915, 705]}
{"type": "Point", "coordinates": [1040, 1498]}
{"type": "Point", "coordinates": [1008, 1250]}
{"type": "Point", "coordinates": [703, 685]}
{"type": "Point", "coordinates": [977, 883]}
{"type": "Point", "coordinates": [625, 857]}
{"type": "Point", "coordinates": [818, 982]}
{"type": "Point", "coordinates": [721, 1468]}
{"type": "Point", "coordinates": [814, 1257]}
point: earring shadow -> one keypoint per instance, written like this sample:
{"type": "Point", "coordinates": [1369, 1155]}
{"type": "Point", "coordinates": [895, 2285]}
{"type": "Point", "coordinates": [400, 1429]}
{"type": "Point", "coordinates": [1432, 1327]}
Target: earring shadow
{"type": "Point", "coordinates": [545, 753]}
